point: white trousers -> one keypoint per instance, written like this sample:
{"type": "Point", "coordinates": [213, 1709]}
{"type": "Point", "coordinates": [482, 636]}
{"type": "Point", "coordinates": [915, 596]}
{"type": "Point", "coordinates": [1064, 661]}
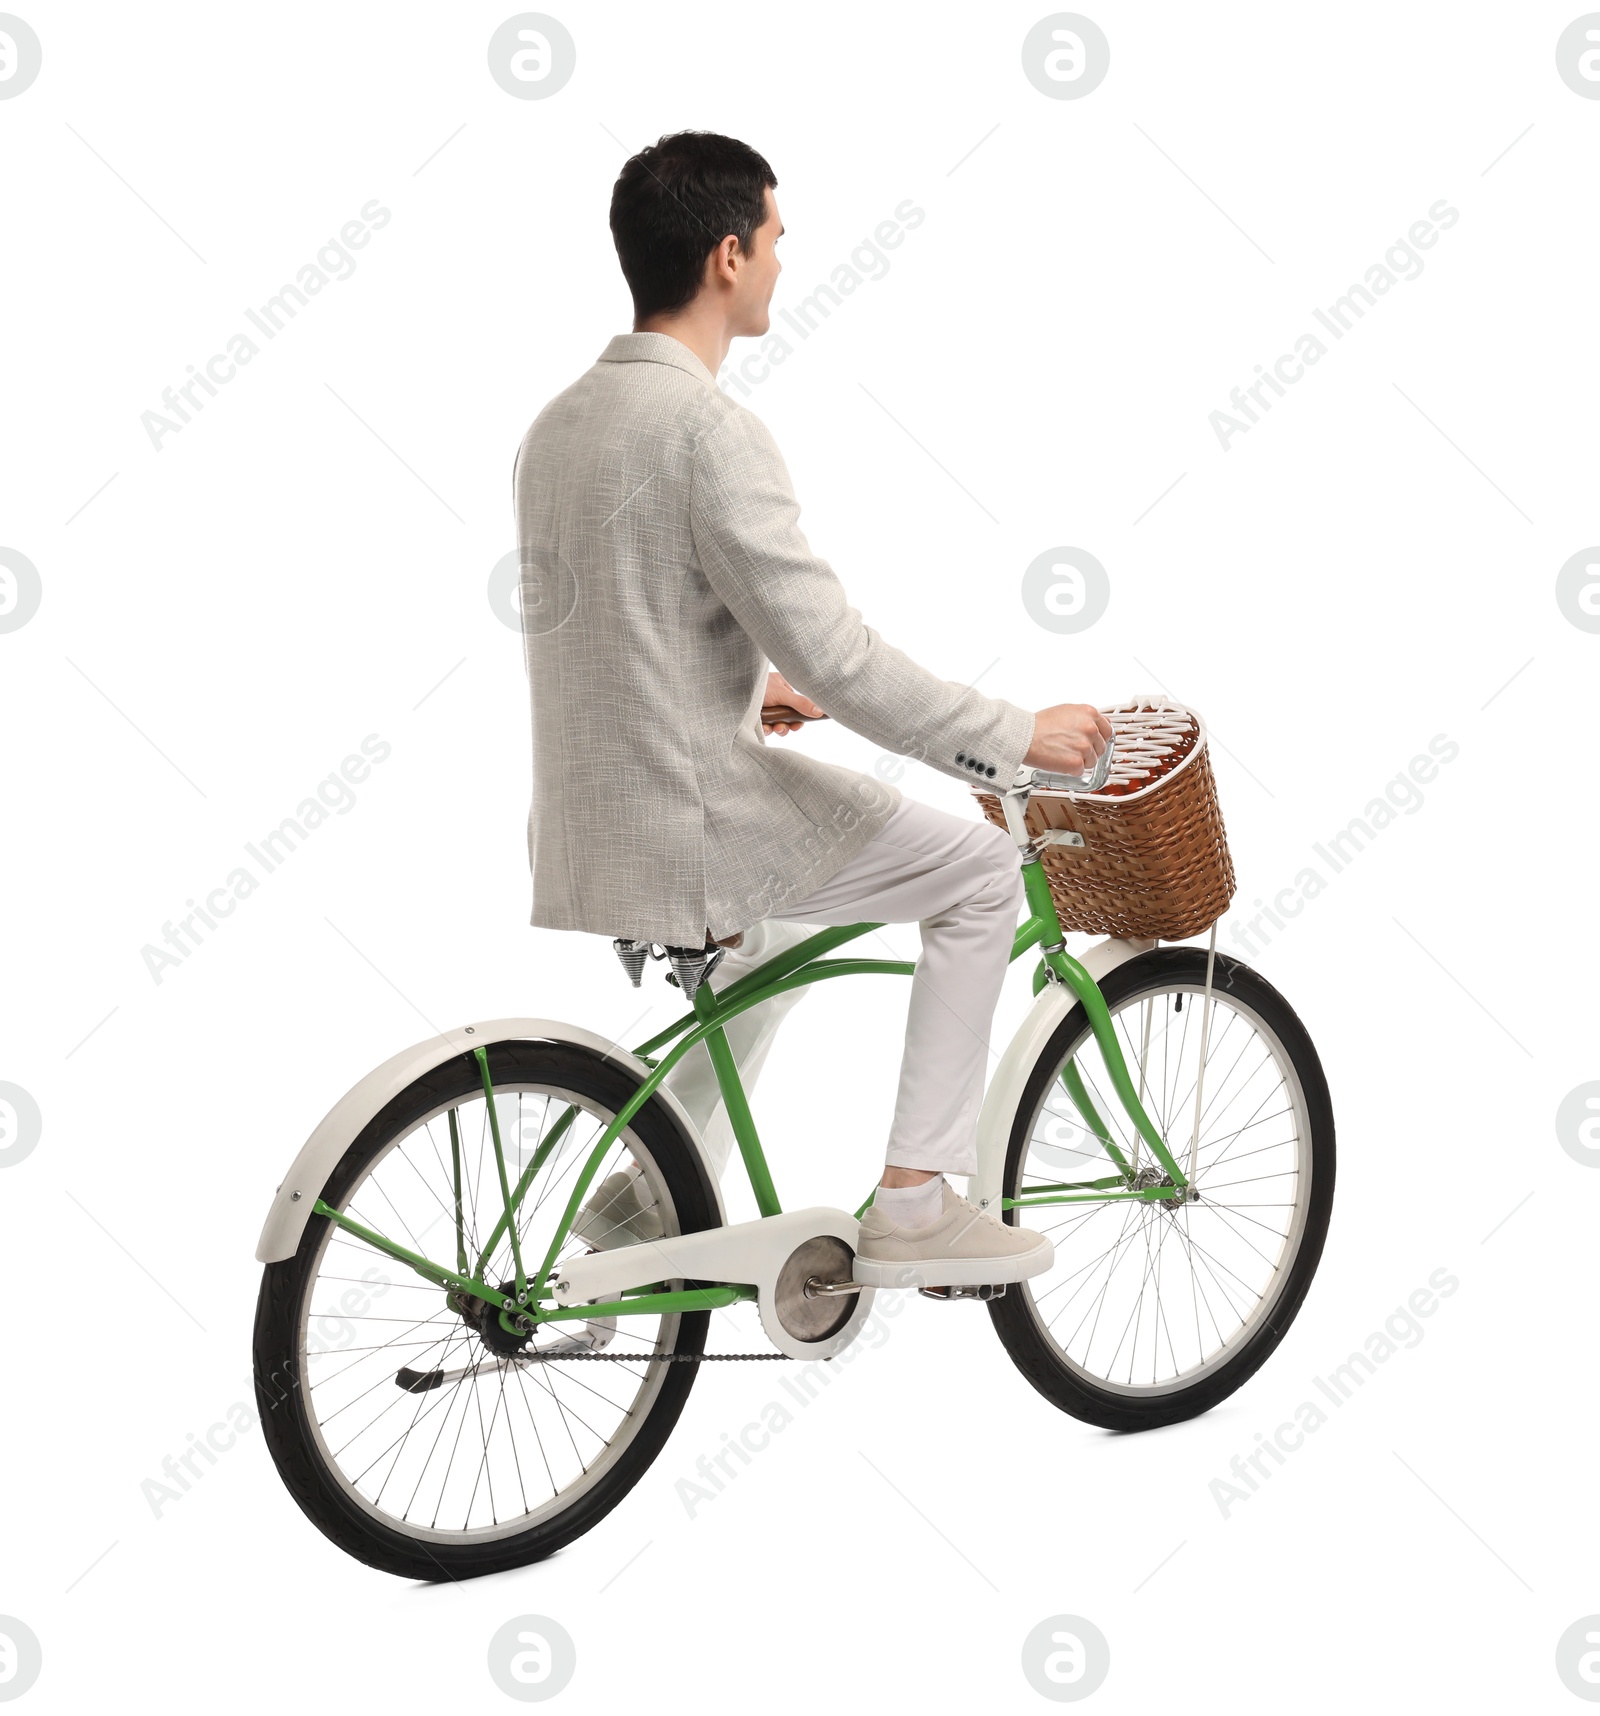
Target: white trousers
{"type": "Point", "coordinates": [961, 882]}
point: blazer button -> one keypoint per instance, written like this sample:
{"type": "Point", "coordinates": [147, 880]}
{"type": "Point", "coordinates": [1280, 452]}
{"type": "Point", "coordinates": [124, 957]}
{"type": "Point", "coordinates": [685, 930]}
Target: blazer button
{"type": "Point", "coordinates": [990, 771]}
{"type": "Point", "coordinates": [961, 757]}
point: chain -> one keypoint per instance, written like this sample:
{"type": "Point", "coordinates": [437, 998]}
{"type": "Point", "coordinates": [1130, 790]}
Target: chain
{"type": "Point", "coordinates": [657, 1358]}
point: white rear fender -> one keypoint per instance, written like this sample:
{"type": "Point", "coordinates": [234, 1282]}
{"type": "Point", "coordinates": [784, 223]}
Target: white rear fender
{"type": "Point", "coordinates": [1004, 1095]}
{"type": "Point", "coordinates": [349, 1116]}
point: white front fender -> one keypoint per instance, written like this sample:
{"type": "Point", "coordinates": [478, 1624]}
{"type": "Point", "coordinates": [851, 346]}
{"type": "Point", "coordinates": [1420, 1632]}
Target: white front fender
{"type": "Point", "coordinates": [344, 1122]}
{"type": "Point", "coordinates": [1004, 1095]}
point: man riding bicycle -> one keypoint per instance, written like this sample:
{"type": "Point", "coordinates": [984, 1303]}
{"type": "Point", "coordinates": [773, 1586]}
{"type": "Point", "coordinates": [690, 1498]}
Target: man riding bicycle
{"type": "Point", "coordinates": [663, 570]}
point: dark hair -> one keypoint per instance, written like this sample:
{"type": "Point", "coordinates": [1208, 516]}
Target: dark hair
{"type": "Point", "coordinates": [674, 203]}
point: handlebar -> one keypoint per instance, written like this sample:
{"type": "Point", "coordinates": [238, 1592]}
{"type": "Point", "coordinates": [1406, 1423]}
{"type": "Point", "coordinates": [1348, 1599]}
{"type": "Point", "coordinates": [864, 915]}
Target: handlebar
{"type": "Point", "coordinates": [783, 714]}
{"type": "Point", "coordinates": [1050, 781]}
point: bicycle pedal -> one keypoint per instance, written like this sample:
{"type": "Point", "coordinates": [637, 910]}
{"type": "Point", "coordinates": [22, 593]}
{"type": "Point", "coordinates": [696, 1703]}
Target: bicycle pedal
{"type": "Point", "coordinates": [983, 1294]}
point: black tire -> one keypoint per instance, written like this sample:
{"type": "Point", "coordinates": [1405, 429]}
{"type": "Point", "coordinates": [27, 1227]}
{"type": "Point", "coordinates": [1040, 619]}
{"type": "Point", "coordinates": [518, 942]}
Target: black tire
{"type": "Point", "coordinates": [282, 1318]}
{"type": "Point", "coordinates": [1016, 1316]}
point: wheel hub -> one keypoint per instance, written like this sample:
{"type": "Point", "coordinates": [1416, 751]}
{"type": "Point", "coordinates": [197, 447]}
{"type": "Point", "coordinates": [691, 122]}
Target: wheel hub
{"type": "Point", "coordinates": [1149, 1176]}
{"type": "Point", "coordinates": [484, 1319]}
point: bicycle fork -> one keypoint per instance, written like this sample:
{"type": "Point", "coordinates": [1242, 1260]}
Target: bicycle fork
{"type": "Point", "coordinates": [1059, 965]}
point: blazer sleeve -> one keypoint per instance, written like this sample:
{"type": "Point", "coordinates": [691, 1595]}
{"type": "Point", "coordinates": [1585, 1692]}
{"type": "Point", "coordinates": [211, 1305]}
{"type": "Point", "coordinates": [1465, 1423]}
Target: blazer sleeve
{"type": "Point", "coordinates": [745, 523]}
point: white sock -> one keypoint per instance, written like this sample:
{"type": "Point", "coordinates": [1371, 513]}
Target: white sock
{"type": "Point", "coordinates": [912, 1206]}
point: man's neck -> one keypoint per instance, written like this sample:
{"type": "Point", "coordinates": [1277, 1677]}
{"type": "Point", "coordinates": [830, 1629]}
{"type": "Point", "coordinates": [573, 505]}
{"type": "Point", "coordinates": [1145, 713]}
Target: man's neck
{"type": "Point", "coordinates": [706, 336]}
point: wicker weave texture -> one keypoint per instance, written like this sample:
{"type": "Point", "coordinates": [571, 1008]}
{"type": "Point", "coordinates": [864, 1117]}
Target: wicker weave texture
{"type": "Point", "coordinates": [1157, 865]}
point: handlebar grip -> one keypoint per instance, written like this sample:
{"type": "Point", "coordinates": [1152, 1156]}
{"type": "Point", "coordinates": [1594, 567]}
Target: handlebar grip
{"type": "Point", "coordinates": [781, 715]}
{"type": "Point", "coordinates": [1052, 782]}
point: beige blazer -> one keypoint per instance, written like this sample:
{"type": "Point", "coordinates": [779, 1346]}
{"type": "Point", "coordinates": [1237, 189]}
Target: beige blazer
{"type": "Point", "coordinates": [663, 567]}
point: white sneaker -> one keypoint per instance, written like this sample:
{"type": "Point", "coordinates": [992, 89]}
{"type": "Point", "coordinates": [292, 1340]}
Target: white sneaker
{"type": "Point", "coordinates": [963, 1248]}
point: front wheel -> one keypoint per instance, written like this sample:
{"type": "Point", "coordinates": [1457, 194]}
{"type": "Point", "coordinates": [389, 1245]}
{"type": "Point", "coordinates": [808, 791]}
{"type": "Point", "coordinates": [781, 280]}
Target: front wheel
{"type": "Point", "coordinates": [1155, 1311]}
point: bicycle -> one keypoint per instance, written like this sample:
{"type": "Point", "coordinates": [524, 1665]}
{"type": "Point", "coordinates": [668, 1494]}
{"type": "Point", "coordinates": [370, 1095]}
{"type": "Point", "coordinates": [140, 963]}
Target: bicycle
{"type": "Point", "coordinates": [514, 1390]}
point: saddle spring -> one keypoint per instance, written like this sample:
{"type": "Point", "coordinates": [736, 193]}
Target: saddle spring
{"type": "Point", "coordinates": [691, 966]}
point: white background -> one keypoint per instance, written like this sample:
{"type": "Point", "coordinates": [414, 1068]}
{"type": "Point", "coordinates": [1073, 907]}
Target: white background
{"type": "Point", "coordinates": [1368, 567]}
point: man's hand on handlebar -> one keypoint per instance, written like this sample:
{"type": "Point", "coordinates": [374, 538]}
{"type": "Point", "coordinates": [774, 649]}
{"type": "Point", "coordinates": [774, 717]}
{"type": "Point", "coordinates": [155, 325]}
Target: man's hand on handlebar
{"type": "Point", "coordinates": [1068, 739]}
{"type": "Point", "coordinates": [782, 695]}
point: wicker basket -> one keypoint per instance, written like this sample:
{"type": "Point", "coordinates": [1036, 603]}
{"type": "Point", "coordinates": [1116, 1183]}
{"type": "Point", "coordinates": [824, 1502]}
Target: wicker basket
{"type": "Point", "coordinates": [1154, 859]}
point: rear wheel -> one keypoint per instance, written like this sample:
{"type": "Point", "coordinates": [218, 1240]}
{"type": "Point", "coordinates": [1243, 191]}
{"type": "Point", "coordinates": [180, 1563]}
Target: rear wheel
{"type": "Point", "coordinates": [411, 1428]}
{"type": "Point", "coordinates": [1152, 1311]}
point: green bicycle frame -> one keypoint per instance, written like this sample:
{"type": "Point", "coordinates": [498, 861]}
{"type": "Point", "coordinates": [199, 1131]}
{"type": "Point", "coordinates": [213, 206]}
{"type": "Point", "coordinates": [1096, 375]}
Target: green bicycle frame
{"type": "Point", "coordinates": [531, 1302]}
